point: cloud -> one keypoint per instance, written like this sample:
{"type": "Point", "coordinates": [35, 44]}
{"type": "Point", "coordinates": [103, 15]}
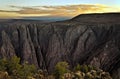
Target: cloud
{"type": "Point", "coordinates": [65, 11]}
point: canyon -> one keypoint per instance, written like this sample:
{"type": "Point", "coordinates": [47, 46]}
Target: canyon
{"type": "Point", "coordinates": [85, 39]}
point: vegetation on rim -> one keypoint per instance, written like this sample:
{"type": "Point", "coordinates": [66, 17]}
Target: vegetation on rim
{"type": "Point", "coordinates": [12, 69]}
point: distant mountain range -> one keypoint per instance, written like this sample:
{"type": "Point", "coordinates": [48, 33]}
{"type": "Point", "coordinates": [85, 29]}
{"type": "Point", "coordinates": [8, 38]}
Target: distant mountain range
{"type": "Point", "coordinates": [34, 20]}
{"type": "Point", "coordinates": [48, 18]}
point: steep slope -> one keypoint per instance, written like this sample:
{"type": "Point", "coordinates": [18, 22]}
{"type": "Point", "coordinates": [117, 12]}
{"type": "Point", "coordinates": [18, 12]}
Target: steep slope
{"type": "Point", "coordinates": [75, 41]}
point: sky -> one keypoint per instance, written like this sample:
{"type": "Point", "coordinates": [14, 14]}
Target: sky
{"type": "Point", "coordinates": [55, 8]}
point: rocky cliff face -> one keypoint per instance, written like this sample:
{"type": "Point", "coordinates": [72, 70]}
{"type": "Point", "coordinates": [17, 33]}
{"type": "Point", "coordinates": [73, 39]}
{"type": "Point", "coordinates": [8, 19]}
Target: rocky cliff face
{"type": "Point", "coordinates": [94, 40]}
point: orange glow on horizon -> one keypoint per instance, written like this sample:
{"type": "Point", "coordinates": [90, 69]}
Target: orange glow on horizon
{"type": "Point", "coordinates": [63, 11]}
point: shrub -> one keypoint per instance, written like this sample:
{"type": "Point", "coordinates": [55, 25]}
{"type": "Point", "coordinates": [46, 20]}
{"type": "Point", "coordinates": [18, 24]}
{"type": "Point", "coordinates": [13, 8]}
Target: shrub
{"type": "Point", "coordinates": [3, 63]}
{"type": "Point", "coordinates": [77, 68]}
{"type": "Point", "coordinates": [26, 70]}
{"type": "Point", "coordinates": [60, 69]}
{"type": "Point", "coordinates": [15, 69]}
{"type": "Point", "coordinates": [13, 65]}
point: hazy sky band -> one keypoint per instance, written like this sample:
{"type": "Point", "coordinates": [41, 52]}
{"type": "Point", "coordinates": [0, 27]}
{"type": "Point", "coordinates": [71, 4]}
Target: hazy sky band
{"type": "Point", "coordinates": [57, 2]}
{"type": "Point", "coordinates": [21, 8]}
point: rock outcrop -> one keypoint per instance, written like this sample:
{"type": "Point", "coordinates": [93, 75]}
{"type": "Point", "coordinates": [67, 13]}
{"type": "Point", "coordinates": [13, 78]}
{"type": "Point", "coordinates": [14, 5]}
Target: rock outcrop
{"type": "Point", "coordinates": [86, 39]}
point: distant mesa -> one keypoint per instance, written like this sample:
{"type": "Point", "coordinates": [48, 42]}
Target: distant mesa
{"type": "Point", "coordinates": [98, 18]}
